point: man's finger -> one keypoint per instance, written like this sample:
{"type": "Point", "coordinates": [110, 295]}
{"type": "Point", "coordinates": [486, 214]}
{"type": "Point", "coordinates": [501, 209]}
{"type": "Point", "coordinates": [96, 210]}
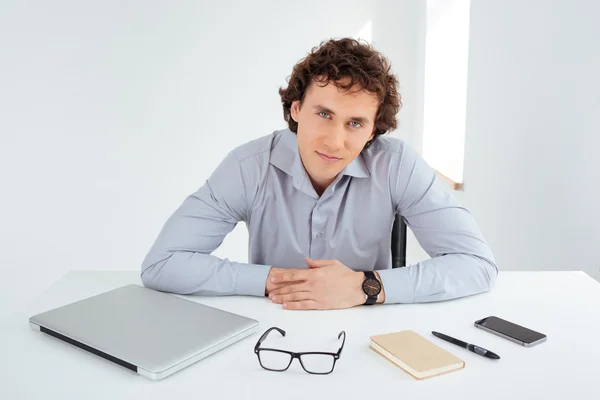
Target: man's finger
{"type": "Point", "coordinates": [318, 263]}
{"type": "Point", "coordinates": [291, 276]}
{"type": "Point", "coordinates": [297, 287]}
{"type": "Point", "coordinates": [275, 286]}
{"type": "Point", "coordinates": [292, 297]}
{"type": "Point", "coordinates": [301, 305]}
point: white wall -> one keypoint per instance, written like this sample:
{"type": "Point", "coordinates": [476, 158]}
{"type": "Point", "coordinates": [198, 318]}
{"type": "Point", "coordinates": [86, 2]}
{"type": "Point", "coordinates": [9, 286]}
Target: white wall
{"type": "Point", "coordinates": [399, 32]}
{"type": "Point", "coordinates": [532, 164]}
{"type": "Point", "coordinates": [112, 112]}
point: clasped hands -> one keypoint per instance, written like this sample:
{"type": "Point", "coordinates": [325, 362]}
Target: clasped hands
{"type": "Point", "coordinates": [324, 285]}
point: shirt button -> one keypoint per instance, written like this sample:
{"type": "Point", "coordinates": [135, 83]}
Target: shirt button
{"type": "Point", "coordinates": [319, 235]}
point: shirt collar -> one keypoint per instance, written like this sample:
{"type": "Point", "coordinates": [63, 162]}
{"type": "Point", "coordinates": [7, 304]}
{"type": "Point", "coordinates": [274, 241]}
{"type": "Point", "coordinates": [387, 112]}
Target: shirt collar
{"type": "Point", "coordinates": [357, 168]}
{"type": "Point", "coordinates": [286, 157]}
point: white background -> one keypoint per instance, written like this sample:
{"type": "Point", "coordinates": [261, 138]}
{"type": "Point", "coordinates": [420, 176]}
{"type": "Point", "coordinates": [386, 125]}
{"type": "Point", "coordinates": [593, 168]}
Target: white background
{"type": "Point", "coordinates": [532, 143]}
{"type": "Point", "coordinates": [112, 112]}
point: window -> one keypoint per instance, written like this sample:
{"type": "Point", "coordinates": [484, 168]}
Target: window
{"type": "Point", "coordinates": [445, 92]}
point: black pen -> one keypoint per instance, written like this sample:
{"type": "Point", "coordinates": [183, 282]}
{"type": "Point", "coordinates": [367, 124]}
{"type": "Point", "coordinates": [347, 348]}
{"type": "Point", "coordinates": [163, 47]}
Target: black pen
{"type": "Point", "coordinates": [471, 347]}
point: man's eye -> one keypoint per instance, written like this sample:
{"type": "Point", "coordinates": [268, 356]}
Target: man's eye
{"type": "Point", "coordinates": [324, 114]}
{"type": "Point", "coordinates": [358, 125]}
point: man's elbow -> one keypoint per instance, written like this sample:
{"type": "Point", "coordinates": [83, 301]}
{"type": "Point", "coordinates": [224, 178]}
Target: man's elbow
{"type": "Point", "coordinates": [151, 273]}
{"type": "Point", "coordinates": [148, 280]}
{"type": "Point", "coordinates": [488, 272]}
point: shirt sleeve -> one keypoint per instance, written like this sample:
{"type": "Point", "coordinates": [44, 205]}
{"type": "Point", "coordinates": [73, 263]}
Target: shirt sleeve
{"type": "Point", "coordinates": [461, 263]}
{"type": "Point", "coordinates": [180, 259]}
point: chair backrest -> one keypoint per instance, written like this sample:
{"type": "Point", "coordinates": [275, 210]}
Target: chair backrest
{"type": "Point", "coordinates": [399, 242]}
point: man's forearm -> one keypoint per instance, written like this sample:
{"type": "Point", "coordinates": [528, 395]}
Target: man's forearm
{"type": "Point", "coordinates": [441, 278]}
{"type": "Point", "coordinates": [196, 273]}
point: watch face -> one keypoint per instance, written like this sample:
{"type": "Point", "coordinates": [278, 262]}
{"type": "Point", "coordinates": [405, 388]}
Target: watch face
{"type": "Point", "coordinates": [371, 287]}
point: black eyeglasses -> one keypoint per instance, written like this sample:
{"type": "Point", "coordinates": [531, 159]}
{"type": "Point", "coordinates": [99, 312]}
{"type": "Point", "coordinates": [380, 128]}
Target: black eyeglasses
{"type": "Point", "coordinates": [313, 362]}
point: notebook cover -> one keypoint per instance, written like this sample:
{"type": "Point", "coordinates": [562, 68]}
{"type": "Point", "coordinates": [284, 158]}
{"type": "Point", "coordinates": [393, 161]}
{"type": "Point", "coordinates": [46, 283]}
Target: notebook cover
{"type": "Point", "coordinates": [417, 352]}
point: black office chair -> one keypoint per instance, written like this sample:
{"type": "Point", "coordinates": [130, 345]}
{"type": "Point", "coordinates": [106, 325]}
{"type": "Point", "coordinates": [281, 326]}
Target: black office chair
{"type": "Point", "coordinates": [399, 242]}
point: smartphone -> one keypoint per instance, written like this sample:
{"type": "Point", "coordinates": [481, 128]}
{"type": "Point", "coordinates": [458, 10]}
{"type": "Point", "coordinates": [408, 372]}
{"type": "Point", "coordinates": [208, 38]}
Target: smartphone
{"type": "Point", "coordinates": [511, 331]}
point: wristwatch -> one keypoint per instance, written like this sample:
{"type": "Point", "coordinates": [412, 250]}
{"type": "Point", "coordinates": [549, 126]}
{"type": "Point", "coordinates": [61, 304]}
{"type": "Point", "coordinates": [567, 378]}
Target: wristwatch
{"type": "Point", "coordinates": [372, 287]}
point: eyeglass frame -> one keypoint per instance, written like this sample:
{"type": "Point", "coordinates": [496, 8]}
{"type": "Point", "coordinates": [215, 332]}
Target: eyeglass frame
{"type": "Point", "coordinates": [294, 354]}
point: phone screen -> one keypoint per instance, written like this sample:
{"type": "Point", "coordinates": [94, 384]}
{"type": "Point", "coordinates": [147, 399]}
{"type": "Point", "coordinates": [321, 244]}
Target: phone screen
{"type": "Point", "coordinates": [509, 329]}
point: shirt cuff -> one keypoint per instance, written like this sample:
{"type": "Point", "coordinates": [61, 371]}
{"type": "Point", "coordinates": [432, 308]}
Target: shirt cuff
{"type": "Point", "coordinates": [251, 279]}
{"type": "Point", "coordinates": [398, 285]}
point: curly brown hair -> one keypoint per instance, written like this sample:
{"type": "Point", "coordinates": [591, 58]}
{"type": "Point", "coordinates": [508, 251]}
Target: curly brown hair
{"type": "Point", "coordinates": [334, 60]}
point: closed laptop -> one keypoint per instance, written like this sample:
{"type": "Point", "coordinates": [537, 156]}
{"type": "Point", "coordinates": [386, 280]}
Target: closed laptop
{"type": "Point", "coordinates": [152, 333]}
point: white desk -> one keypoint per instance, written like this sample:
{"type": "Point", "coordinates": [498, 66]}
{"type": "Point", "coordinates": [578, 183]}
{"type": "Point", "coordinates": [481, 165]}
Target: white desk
{"type": "Point", "coordinates": [564, 305]}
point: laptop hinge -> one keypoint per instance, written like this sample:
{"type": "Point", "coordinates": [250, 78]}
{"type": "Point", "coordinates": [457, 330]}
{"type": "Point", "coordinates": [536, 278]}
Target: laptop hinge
{"type": "Point", "coordinates": [89, 349]}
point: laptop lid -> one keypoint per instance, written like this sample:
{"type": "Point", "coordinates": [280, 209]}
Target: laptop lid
{"type": "Point", "coordinates": [150, 332]}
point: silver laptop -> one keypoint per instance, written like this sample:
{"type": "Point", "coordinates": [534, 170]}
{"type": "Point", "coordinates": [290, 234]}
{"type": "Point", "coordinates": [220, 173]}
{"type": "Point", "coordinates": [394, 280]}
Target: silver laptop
{"type": "Point", "coordinates": [152, 333]}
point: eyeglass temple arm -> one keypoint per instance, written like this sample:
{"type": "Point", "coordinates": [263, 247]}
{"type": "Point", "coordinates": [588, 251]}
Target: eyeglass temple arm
{"type": "Point", "coordinates": [343, 341]}
{"type": "Point", "coordinates": [264, 335]}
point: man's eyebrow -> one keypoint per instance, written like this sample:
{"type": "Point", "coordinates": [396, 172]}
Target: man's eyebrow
{"type": "Point", "coordinates": [321, 108]}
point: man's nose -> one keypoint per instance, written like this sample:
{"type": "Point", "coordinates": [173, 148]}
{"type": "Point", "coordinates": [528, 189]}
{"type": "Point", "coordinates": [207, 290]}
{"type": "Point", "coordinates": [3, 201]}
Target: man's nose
{"type": "Point", "coordinates": [334, 140]}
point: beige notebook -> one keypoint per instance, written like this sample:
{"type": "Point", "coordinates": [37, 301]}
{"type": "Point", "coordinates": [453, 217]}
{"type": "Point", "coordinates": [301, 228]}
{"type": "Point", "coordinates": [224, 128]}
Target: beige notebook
{"type": "Point", "coordinates": [415, 354]}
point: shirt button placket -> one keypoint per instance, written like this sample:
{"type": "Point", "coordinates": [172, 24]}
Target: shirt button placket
{"type": "Point", "coordinates": [317, 248]}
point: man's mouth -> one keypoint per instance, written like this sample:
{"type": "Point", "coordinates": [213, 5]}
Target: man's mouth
{"type": "Point", "coordinates": [328, 158]}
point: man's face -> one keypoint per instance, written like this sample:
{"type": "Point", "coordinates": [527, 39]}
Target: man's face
{"type": "Point", "coordinates": [333, 127]}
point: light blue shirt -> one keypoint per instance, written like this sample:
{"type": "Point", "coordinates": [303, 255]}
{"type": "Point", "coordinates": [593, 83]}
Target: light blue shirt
{"type": "Point", "coordinates": [264, 184]}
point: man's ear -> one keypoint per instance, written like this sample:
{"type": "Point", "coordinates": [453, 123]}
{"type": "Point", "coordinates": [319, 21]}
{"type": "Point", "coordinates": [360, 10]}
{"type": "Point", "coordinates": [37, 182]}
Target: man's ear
{"type": "Point", "coordinates": [295, 109]}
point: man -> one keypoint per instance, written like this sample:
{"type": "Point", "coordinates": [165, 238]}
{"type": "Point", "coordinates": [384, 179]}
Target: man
{"type": "Point", "coordinates": [319, 200]}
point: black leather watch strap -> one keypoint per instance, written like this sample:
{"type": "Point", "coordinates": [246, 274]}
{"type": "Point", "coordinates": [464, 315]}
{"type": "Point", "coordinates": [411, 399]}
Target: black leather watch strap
{"type": "Point", "coordinates": [370, 300]}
